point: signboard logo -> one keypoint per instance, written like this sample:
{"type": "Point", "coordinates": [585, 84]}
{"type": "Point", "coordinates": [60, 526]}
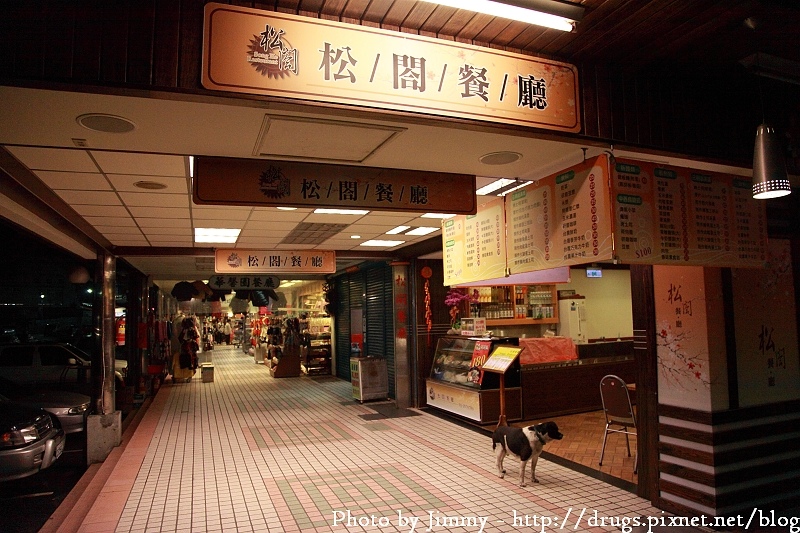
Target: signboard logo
{"type": "Point", "coordinates": [274, 184]}
{"type": "Point", "coordinates": [270, 55]}
{"type": "Point", "coordinates": [234, 261]}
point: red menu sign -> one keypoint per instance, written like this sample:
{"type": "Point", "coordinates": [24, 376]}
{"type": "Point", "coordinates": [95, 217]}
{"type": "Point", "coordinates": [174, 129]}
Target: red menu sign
{"type": "Point", "coordinates": [479, 355]}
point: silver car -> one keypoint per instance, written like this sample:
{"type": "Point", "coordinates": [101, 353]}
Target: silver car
{"type": "Point", "coordinates": [30, 440]}
{"type": "Point", "coordinates": [71, 408]}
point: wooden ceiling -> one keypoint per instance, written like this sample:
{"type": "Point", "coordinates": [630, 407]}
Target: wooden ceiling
{"type": "Point", "coordinates": [656, 34]}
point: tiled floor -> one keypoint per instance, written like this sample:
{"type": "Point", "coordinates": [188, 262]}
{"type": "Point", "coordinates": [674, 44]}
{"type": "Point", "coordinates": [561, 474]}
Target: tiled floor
{"type": "Point", "coordinates": [583, 442]}
{"type": "Point", "coordinates": [252, 453]}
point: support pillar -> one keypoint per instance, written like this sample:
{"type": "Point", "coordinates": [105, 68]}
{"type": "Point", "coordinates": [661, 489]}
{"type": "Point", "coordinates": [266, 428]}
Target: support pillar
{"type": "Point", "coordinates": [104, 425]}
{"type": "Point", "coordinates": [402, 363]}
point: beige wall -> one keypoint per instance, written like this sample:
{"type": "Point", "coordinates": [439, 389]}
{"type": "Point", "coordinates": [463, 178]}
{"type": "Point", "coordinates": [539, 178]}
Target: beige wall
{"type": "Point", "coordinates": [608, 302]}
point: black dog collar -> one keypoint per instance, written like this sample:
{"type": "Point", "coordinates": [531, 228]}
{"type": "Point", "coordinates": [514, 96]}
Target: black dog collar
{"type": "Point", "coordinates": [539, 435]}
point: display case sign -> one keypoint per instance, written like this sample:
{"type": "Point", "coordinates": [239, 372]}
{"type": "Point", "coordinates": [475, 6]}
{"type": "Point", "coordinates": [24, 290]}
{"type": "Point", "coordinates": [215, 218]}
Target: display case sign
{"type": "Point", "coordinates": [479, 355]}
{"type": "Point", "coordinates": [263, 182]}
{"type": "Point", "coordinates": [233, 282]}
{"type": "Point", "coordinates": [277, 54]}
{"type": "Point", "coordinates": [679, 216]}
{"type": "Point", "coordinates": [560, 220]}
{"type": "Point", "coordinates": [474, 246]}
{"type": "Point", "coordinates": [501, 359]}
{"type": "Point", "coordinates": [459, 400]}
{"type": "Point", "coordinates": [244, 261]}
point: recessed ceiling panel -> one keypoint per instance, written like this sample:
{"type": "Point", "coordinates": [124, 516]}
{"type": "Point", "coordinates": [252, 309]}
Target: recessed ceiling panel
{"type": "Point", "coordinates": [89, 197]}
{"type": "Point", "coordinates": [306, 233]}
{"type": "Point", "coordinates": [154, 199]}
{"type": "Point", "coordinates": [127, 182]}
{"type": "Point", "coordinates": [141, 164]}
{"type": "Point", "coordinates": [54, 159]}
{"type": "Point", "coordinates": [319, 139]}
{"type": "Point", "coordinates": [83, 181]}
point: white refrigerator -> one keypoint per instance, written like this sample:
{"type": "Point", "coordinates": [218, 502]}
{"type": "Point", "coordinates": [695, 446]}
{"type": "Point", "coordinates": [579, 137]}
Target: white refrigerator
{"type": "Point", "coordinates": [572, 319]}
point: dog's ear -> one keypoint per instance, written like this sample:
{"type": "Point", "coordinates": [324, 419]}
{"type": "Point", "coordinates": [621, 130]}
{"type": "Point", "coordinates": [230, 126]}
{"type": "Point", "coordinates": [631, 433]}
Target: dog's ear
{"type": "Point", "coordinates": [531, 428]}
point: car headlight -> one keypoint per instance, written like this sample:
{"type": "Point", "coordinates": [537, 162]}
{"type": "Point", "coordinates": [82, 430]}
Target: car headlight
{"type": "Point", "coordinates": [79, 410]}
{"type": "Point", "coordinates": [20, 437]}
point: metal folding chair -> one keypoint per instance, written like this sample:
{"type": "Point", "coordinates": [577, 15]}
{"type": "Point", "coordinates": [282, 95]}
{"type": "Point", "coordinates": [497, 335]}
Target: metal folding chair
{"type": "Point", "coordinates": [618, 410]}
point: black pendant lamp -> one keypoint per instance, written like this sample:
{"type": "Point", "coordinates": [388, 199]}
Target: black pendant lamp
{"type": "Point", "coordinates": [770, 179]}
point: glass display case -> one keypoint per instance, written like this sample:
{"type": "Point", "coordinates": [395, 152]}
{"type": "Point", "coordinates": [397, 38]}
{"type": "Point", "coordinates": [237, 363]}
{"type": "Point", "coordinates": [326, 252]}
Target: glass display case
{"type": "Point", "coordinates": [458, 384]}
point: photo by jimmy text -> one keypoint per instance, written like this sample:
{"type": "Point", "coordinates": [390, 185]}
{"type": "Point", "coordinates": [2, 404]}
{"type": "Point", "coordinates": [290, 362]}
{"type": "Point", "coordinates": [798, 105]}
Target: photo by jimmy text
{"type": "Point", "coordinates": [432, 521]}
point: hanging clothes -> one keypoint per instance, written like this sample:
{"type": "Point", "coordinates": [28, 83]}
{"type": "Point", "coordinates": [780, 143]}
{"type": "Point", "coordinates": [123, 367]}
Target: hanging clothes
{"type": "Point", "coordinates": [184, 365]}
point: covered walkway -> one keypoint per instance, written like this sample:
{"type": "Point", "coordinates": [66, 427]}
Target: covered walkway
{"type": "Point", "coordinates": [248, 452]}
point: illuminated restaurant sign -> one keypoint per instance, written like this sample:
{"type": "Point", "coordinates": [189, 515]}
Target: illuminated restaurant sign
{"type": "Point", "coordinates": [259, 182]}
{"type": "Point", "coordinates": [276, 54]}
{"type": "Point", "coordinates": [244, 261]}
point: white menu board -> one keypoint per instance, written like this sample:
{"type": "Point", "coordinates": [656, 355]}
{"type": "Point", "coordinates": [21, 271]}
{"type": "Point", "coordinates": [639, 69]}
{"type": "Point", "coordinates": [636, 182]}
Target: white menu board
{"type": "Point", "coordinates": [474, 246]}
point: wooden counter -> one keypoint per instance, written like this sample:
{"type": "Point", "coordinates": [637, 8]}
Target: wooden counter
{"type": "Point", "coordinates": [567, 387]}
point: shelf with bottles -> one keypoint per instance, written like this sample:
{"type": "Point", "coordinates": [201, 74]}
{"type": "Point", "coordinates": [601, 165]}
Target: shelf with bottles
{"type": "Point", "coordinates": [510, 305]}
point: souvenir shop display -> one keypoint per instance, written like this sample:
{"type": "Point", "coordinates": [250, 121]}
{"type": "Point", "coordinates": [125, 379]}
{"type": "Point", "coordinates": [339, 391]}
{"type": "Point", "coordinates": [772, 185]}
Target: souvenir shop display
{"type": "Point", "coordinates": [315, 349]}
{"type": "Point", "coordinates": [284, 357]}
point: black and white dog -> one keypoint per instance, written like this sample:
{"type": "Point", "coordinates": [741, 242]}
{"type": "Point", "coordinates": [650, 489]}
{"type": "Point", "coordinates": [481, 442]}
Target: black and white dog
{"type": "Point", "coordinates": [524, 443]}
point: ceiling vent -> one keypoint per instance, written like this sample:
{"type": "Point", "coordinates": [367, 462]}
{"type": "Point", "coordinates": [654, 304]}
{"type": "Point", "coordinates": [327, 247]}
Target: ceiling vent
{"type": "Point", "coordinates": [321, 140]}
{"type": "Point", "coordinates": [311, 233]}
{"type": "Point", "coordinates": [204, 264]}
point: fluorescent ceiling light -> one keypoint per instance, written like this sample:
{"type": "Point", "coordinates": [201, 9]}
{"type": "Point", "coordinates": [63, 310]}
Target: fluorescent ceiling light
{"type": "Point", "coordinates": [549, 13]}
{"type": "Point", "coordinates": [398, 229]}
{"type": "Point", "coordinates": [499, 184]}
{"type": "Point", "coordinates": [422, 230]}
{"type": "Point", "coordinates": [324, 211]}
{"type": "Point", "coordinates": [383, 243]}
{"type": "Point", "coordinates": [216, 235]}
{"type": "Point", "coordinates": [436, 215]}
{"type": "Point", "coordinates": [286, 208]}
{"type": "Point", "coordinates": [191, 166]}
{"type": "Point", "coordinates": [521, 185]}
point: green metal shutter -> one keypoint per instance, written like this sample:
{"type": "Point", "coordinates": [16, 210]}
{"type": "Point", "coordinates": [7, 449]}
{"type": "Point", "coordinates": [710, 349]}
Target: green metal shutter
{"type": "Point", "coordinates": [379, 338]}
{"type": "Point", "coordinates": [342, 327]}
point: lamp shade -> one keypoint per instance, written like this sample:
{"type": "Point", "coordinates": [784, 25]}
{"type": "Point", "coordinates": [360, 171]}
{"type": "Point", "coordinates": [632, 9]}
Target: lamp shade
{"type": "Point", "coordinates": [770, 179]}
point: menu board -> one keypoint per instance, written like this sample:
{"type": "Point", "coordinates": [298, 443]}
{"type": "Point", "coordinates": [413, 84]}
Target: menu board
{"type": "Point", "coordinates": [563, 219]}
{"type": "Point", "coordinates": [670, 215]}
{"type": "Point", "coordinates": [474, 246]}
{"type": "Point", "coordinates": [501, 358]}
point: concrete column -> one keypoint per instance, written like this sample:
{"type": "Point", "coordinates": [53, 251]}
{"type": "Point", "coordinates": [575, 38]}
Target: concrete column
{"type": "Point", "coordinates": [401, 313]}
{"type": "Point", "coordinates": [104, 426]}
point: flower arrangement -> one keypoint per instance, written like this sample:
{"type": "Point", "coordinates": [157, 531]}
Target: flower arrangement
{"type": "Point", "coordinates": [454, 299]}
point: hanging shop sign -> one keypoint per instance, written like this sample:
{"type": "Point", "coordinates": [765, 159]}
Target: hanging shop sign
{"type": "Point", "coordinates": [561, 220]}
{"type": "Point", "coordinates": [243, 261]}
{"type": "Point", "coordinates": [633, 212]}
{"type": "Point", "coordinates": [474, 246]}
{"type": "Point", "coordinates": [258, 182]}
{"type": "Point", "coordinates": [233, 282]}
{"type": "Point", "coordinates": [679, 216]}
{"type": "Point", "coordinates": [276, 54]}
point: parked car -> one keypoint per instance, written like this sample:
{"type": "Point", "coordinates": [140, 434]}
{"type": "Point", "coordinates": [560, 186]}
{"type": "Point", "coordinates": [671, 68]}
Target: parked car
{"type": "Point", "coordinates": [8, 335]}
{"type": "Point", "coordinates": [30, 440]}
{"type": "Point", "coordinates": [71, 408]}
{"type": "Point", "coordinates": [44, 363]}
